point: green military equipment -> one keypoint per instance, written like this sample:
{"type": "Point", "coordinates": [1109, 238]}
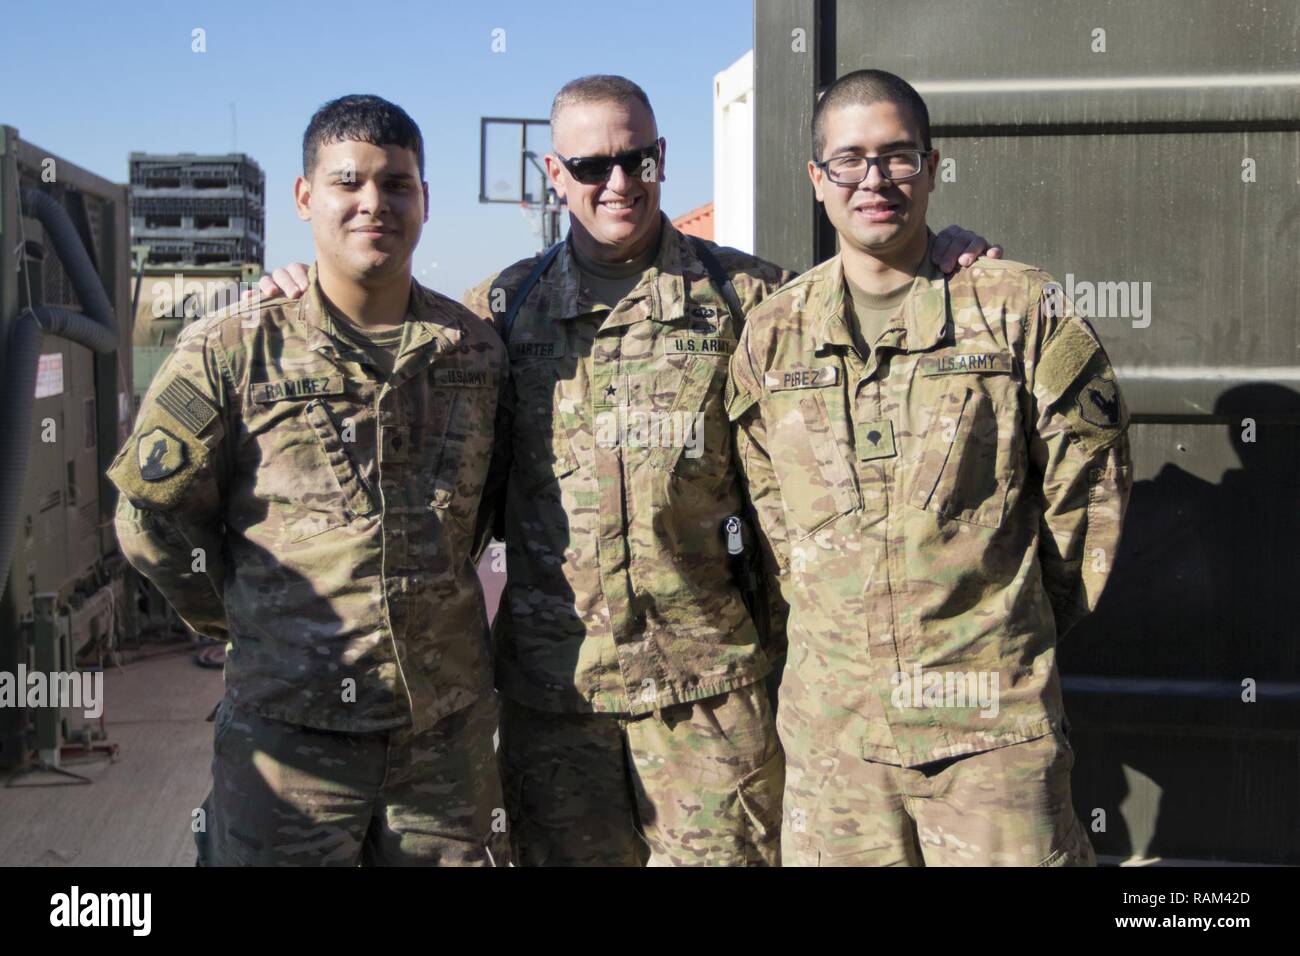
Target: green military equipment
{"type": "Point", "coordinates": [65, 373]}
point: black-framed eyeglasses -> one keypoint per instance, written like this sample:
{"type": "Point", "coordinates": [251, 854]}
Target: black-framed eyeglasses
{"type": "Point", "coordinates": [591, 170]}
{"type": "Point", "coordinates": [894, 165]}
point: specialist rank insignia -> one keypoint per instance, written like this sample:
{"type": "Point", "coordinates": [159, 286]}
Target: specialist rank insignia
{"type": "Point", "coordinates": [875, 439]}
{"type": "Point", "coordinates": [160, 454]}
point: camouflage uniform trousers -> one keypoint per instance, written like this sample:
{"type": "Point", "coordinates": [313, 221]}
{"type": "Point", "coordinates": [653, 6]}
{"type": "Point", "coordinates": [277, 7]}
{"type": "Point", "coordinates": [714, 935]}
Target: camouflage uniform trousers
{"type": "Point", "coordinates": [698, 784]}
{"type": "Point", "coordinates": [1004, 807]}
{"type": "Point", "coordinates": [287, 795]}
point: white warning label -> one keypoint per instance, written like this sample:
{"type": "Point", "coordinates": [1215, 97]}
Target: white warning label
{"type": "Point", "coordinates": [49, 375]}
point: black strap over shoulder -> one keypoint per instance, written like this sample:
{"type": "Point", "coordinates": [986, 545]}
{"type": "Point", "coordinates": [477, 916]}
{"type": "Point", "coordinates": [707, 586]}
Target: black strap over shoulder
{"type": "Point", "coordinates": [719, 276]}
{"type": "Point", "coordinates": [525, 287]}
{"type": "Point", "coordinates": [746, 567]}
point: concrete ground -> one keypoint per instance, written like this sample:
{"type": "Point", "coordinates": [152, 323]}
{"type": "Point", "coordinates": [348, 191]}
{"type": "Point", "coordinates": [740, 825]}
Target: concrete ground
{"type": "Point", "coordinates": [138, 809]}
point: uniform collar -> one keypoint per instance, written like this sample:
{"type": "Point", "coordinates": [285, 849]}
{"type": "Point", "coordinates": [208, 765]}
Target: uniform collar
{"type": "Point", "coordinates": [661, 285]}
{"type": "Point", "coordinates": [429, 322]}
{"type": "Point", "coordinates": [923, 321]}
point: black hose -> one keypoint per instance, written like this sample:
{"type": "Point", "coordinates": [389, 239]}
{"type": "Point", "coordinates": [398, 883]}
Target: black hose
{"type": "Point", "coordinates": [96, 330]}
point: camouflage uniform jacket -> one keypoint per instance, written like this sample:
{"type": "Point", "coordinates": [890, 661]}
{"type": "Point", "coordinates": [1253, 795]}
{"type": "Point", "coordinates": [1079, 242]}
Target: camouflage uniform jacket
{"type": "Point", "coordinates": [336, 513]}
{"type": "Point", "coordinates": [945, 508]}
{"type": "Point", "coordinates": [618, 596]}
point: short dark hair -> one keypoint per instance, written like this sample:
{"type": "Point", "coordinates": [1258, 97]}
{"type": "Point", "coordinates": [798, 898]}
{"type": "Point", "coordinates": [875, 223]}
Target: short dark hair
{"type": "Point", "coordinates": [863, 87]}
{"type": "Point", "coordinates": [364, 118]}
{"type": "Point", "coordinates": [599, 87]}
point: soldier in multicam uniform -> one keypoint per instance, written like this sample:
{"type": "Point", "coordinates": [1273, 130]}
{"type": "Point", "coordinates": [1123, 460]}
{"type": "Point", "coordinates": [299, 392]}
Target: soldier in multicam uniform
{"type": "Point", "coordinates": [634, 708]}
{"type": "Point", "coordinates": [942, 466]}
{"type": "Point", "coordinates": [304, 480]}
{"type": "Point", "coordinates": [635, 724]}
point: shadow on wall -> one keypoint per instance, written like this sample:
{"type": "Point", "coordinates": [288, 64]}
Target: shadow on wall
{"type": "Point", "coordinates": [1204, 598]}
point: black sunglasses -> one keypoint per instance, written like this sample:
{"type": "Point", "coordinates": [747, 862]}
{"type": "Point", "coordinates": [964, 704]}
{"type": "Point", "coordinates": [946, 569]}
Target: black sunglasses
{"type": "Point", "coordinates": [591, 170]}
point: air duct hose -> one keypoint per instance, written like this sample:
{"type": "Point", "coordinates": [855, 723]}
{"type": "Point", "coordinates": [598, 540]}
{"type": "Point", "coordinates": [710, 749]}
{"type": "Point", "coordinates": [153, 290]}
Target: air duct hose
{"type": "Point", "coordinates": [96, 329]}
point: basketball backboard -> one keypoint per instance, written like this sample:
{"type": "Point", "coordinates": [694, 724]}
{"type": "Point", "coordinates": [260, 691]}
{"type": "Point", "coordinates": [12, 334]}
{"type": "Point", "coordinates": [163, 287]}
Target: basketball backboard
{"type": "Point", "coordinates": [511, 170]}
{"type": "Point", "coordinates": [510, 160]}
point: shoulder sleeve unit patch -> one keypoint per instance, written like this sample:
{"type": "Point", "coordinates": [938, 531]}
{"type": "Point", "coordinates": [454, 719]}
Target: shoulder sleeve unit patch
{"type": "Point", "coordinates": [1098, 402]}
{"type": "Point", "coordinates": [159, 454]}
{"type": "Point", "coordinates": [1075, 378]}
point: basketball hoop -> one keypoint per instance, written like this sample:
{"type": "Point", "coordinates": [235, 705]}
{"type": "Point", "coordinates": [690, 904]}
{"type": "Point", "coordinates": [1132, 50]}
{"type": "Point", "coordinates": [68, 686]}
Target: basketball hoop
{"type": "Point", "coordinates": [511, 171]}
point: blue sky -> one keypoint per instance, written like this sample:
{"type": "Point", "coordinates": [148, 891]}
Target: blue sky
{"type": "Point", "coordinates": [93, 81]}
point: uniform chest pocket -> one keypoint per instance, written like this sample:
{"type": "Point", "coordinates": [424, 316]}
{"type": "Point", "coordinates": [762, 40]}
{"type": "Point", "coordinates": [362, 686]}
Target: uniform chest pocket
{"type": "Point", "coordinates": [691, 437]}
{"type": "Point", "coordinates": [458, 449]}
{"type": "Point", "coordinates": [358, 499]}
{"type": "Point", "coordinates": [303, 477]}
{"type": "Point", "coordinates": [811, 464]}
{"type": "Point", "coordinates": [971, 461]}
{"type": "Point", "coordinates": [543, 422]}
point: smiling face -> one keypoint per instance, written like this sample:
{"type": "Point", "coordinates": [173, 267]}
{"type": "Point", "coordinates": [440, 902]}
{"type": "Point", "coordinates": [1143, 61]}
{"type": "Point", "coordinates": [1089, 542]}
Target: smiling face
{"type": "Point", "coordinates": [367, 207]}
{"type": "Point", "coordinates": [883, 219]}
{"type": "Point", "coordinates": [618, 219]}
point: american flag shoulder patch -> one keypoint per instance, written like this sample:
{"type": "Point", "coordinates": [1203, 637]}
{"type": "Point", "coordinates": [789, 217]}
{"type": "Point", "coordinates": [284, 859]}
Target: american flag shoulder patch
{"type": "Point", "coordinates": [183, 402]}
